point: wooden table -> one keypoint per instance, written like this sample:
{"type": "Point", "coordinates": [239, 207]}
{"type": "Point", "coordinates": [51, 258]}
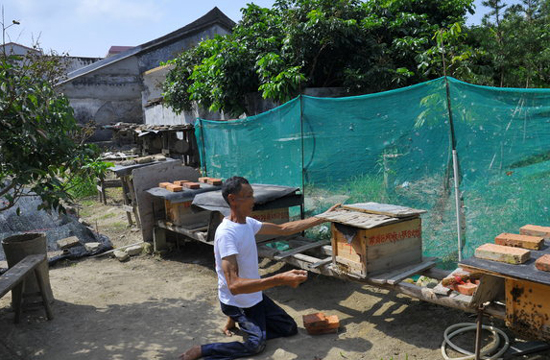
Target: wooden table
{"type": "Point", "coordinates": [526, 292]}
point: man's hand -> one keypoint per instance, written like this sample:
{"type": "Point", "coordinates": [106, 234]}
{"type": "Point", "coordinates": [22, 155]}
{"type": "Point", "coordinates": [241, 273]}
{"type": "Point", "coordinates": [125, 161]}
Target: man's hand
{"type": "Point", "coordinates": [334, 207]}
{"type": "Point", "coordinates": [293, 278]}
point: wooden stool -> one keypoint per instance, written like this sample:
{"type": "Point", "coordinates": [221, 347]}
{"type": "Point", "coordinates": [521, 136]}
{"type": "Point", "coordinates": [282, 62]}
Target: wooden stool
{"type": "Point", "coordinates": [14, 280]}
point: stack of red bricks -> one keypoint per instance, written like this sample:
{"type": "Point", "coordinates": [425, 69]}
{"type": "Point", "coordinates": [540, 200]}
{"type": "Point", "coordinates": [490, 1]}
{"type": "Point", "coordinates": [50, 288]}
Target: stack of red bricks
{"type": "Point", "coordinates": [516, 248]}
{"type": "Point", "coordinates": [179, 185]}
{"type": "Point", "coordinates": [318, 323]}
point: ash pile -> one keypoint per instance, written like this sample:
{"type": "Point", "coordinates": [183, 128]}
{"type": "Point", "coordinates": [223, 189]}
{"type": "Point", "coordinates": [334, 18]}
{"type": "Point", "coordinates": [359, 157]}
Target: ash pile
{"type": "Point", "coordinates": [67, 237]}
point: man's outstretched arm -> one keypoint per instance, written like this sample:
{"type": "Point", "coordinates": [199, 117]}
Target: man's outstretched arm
{"type": "Point", "coordinates": [292, 227]}
{"type": "Point", "coordinates": [238, 285]}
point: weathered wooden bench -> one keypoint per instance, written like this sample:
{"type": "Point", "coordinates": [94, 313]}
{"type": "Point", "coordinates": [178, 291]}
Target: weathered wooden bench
{"type": "Point", "coordinates": [14, 280]}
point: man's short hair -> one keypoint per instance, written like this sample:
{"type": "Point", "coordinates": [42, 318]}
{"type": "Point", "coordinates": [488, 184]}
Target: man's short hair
{"type": "Point", "coordinates": [233, 185]}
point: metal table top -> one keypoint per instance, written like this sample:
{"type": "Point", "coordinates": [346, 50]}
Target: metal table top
{"type": "Point", "coordinates": [181, 196]}
{"type": "Point", "coordinates": [525, 271]}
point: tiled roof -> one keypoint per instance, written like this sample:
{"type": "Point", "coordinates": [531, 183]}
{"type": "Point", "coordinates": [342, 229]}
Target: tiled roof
{"type": "Point", "coordinates": [213, 16]}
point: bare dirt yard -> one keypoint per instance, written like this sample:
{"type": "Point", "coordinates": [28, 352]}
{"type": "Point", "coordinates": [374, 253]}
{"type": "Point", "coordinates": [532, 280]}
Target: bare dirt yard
{"type": "Point", "coordinates": [154, 307]}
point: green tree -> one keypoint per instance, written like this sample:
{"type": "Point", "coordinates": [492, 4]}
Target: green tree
{"type": "Point", "coordinates": [40, 151]}
{"type": "Point", "coordinates": [514, 41]}
{"type": "Point", "coordinates": [363, 46]}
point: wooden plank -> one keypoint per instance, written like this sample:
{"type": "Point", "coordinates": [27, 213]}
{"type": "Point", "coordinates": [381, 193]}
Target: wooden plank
{"type": "Point", "coordinates": [321, 263]}
{"type": "Point", "coordinates": [43, 287]}
{"type": "Point", "coordinates": [17, 273]}
{"type": "Point", "coordinates": [397, 275]}
{"type": "Point", "coordinates": [385, 209]}
{"type": "Point", "coordinates": [112, 183]}
{"type": "Point", "coordinates": [306, 258]}
{"type": "Point", "coordinates": [357, 219]}
{"type": "Point", "coordinates": [191, 233]}
{"type": "Point", "coordinates": [489, 288]}
{"type": "Point", "coordinates": [300, 249]}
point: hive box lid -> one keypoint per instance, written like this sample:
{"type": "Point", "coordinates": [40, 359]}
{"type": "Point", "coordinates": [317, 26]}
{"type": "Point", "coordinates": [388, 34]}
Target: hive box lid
{"type": "Point", "coordinates": [385, 209]}
{"type": "Point", "coordinates": [359, 215]}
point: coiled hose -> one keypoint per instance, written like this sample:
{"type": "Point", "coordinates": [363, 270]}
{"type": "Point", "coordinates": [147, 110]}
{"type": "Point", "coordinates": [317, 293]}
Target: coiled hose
{"type": "Point", "coordinates": [460, 328]}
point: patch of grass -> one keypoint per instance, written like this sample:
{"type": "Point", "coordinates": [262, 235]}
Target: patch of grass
{"type": "Point", "coordinates": [82, 186]}
{"type": "Point", "coordinates": [504, 203]}
{"type": "Point", "coordinates": [107, 216]}
{"type": "Point", "coordinates": [118, 226]}
{"type": "Point", "coordinates": [87, 202]}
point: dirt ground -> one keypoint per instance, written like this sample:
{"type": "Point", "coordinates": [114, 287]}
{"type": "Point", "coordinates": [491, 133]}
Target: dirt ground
{"type": "Point", "coordinates": [155, 307]}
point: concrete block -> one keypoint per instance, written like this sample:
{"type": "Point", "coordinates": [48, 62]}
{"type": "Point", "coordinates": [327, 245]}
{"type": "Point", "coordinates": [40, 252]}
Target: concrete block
{"type": "Point", "coordinates": [505, 254]}
{"type": "Point", "coordinates": [522, 241]}
{"type": "Point", "coordinates": [68, 242]}
{"type": "Point", "coordinates": [174, 188]}
{"type": "Point", "coordinates": [121, 255]}
{"type": "Point", "coordinates": [543, 263]}
{"type": "Point", "coordinates": [535, 230]}
{"type": "Point", "coordinates": [92, 246]}
{"type": "Point", "coordinates": [164, 184]}
{"type": "Point", "coordinates": [192, 185]}
{"type": "Point", "coordinates": [134, 250]}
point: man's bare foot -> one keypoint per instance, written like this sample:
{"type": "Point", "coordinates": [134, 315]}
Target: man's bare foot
{"type": "Point", "coordinates": [228, 327]}
{"type": "Point", "coordinates": [192, 354]}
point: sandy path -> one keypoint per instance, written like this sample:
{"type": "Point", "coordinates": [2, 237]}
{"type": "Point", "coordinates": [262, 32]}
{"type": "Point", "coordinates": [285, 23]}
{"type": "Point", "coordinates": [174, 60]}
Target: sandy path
{"type": "Point", "coordinates": [152, 308]}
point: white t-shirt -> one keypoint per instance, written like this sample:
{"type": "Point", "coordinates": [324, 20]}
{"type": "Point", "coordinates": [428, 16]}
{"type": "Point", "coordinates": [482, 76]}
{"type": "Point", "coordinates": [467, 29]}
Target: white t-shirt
{"type": "Point", "coordinates": [237, 239]}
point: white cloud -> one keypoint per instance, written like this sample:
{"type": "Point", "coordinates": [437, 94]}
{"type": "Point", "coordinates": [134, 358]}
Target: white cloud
{"type": "Point", "coordinates": [119, 9]}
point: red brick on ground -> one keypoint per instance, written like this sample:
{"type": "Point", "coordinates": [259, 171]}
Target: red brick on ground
{"type": "Point", "coordinates": [314, 320]}
{"type": "Point", "coordinates": [522, 241]}
{"type": "Point", "coordinates": [318, 323]}
{"type": "Point", "coordinates": [535, 230]}
{"type": "Point", "coordinates": [543, 263]}
{"type": "Point", "coordinates": [506, 254]}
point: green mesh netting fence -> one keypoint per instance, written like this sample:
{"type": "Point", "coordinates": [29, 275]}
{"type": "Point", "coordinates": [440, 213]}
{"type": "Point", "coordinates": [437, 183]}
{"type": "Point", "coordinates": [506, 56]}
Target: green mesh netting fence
{"type": "Point", "coordinates": [396, 147]}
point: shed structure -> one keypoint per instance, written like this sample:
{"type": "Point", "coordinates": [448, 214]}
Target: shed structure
{"type": "Point", "coordinates": [112, 90]}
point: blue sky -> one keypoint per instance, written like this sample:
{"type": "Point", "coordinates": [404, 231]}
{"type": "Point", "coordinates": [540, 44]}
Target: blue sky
{"type": "Point", "coordinates": [90, 27]}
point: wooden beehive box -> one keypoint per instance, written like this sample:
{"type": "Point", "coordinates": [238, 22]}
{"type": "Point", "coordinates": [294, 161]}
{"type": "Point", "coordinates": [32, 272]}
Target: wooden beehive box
{"type": "Point", "coordinates": [276, 216]}
{"type": "Point", "coordinates": [365, 243]}
{"type": "Point", "coordinates": [180, 214]}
